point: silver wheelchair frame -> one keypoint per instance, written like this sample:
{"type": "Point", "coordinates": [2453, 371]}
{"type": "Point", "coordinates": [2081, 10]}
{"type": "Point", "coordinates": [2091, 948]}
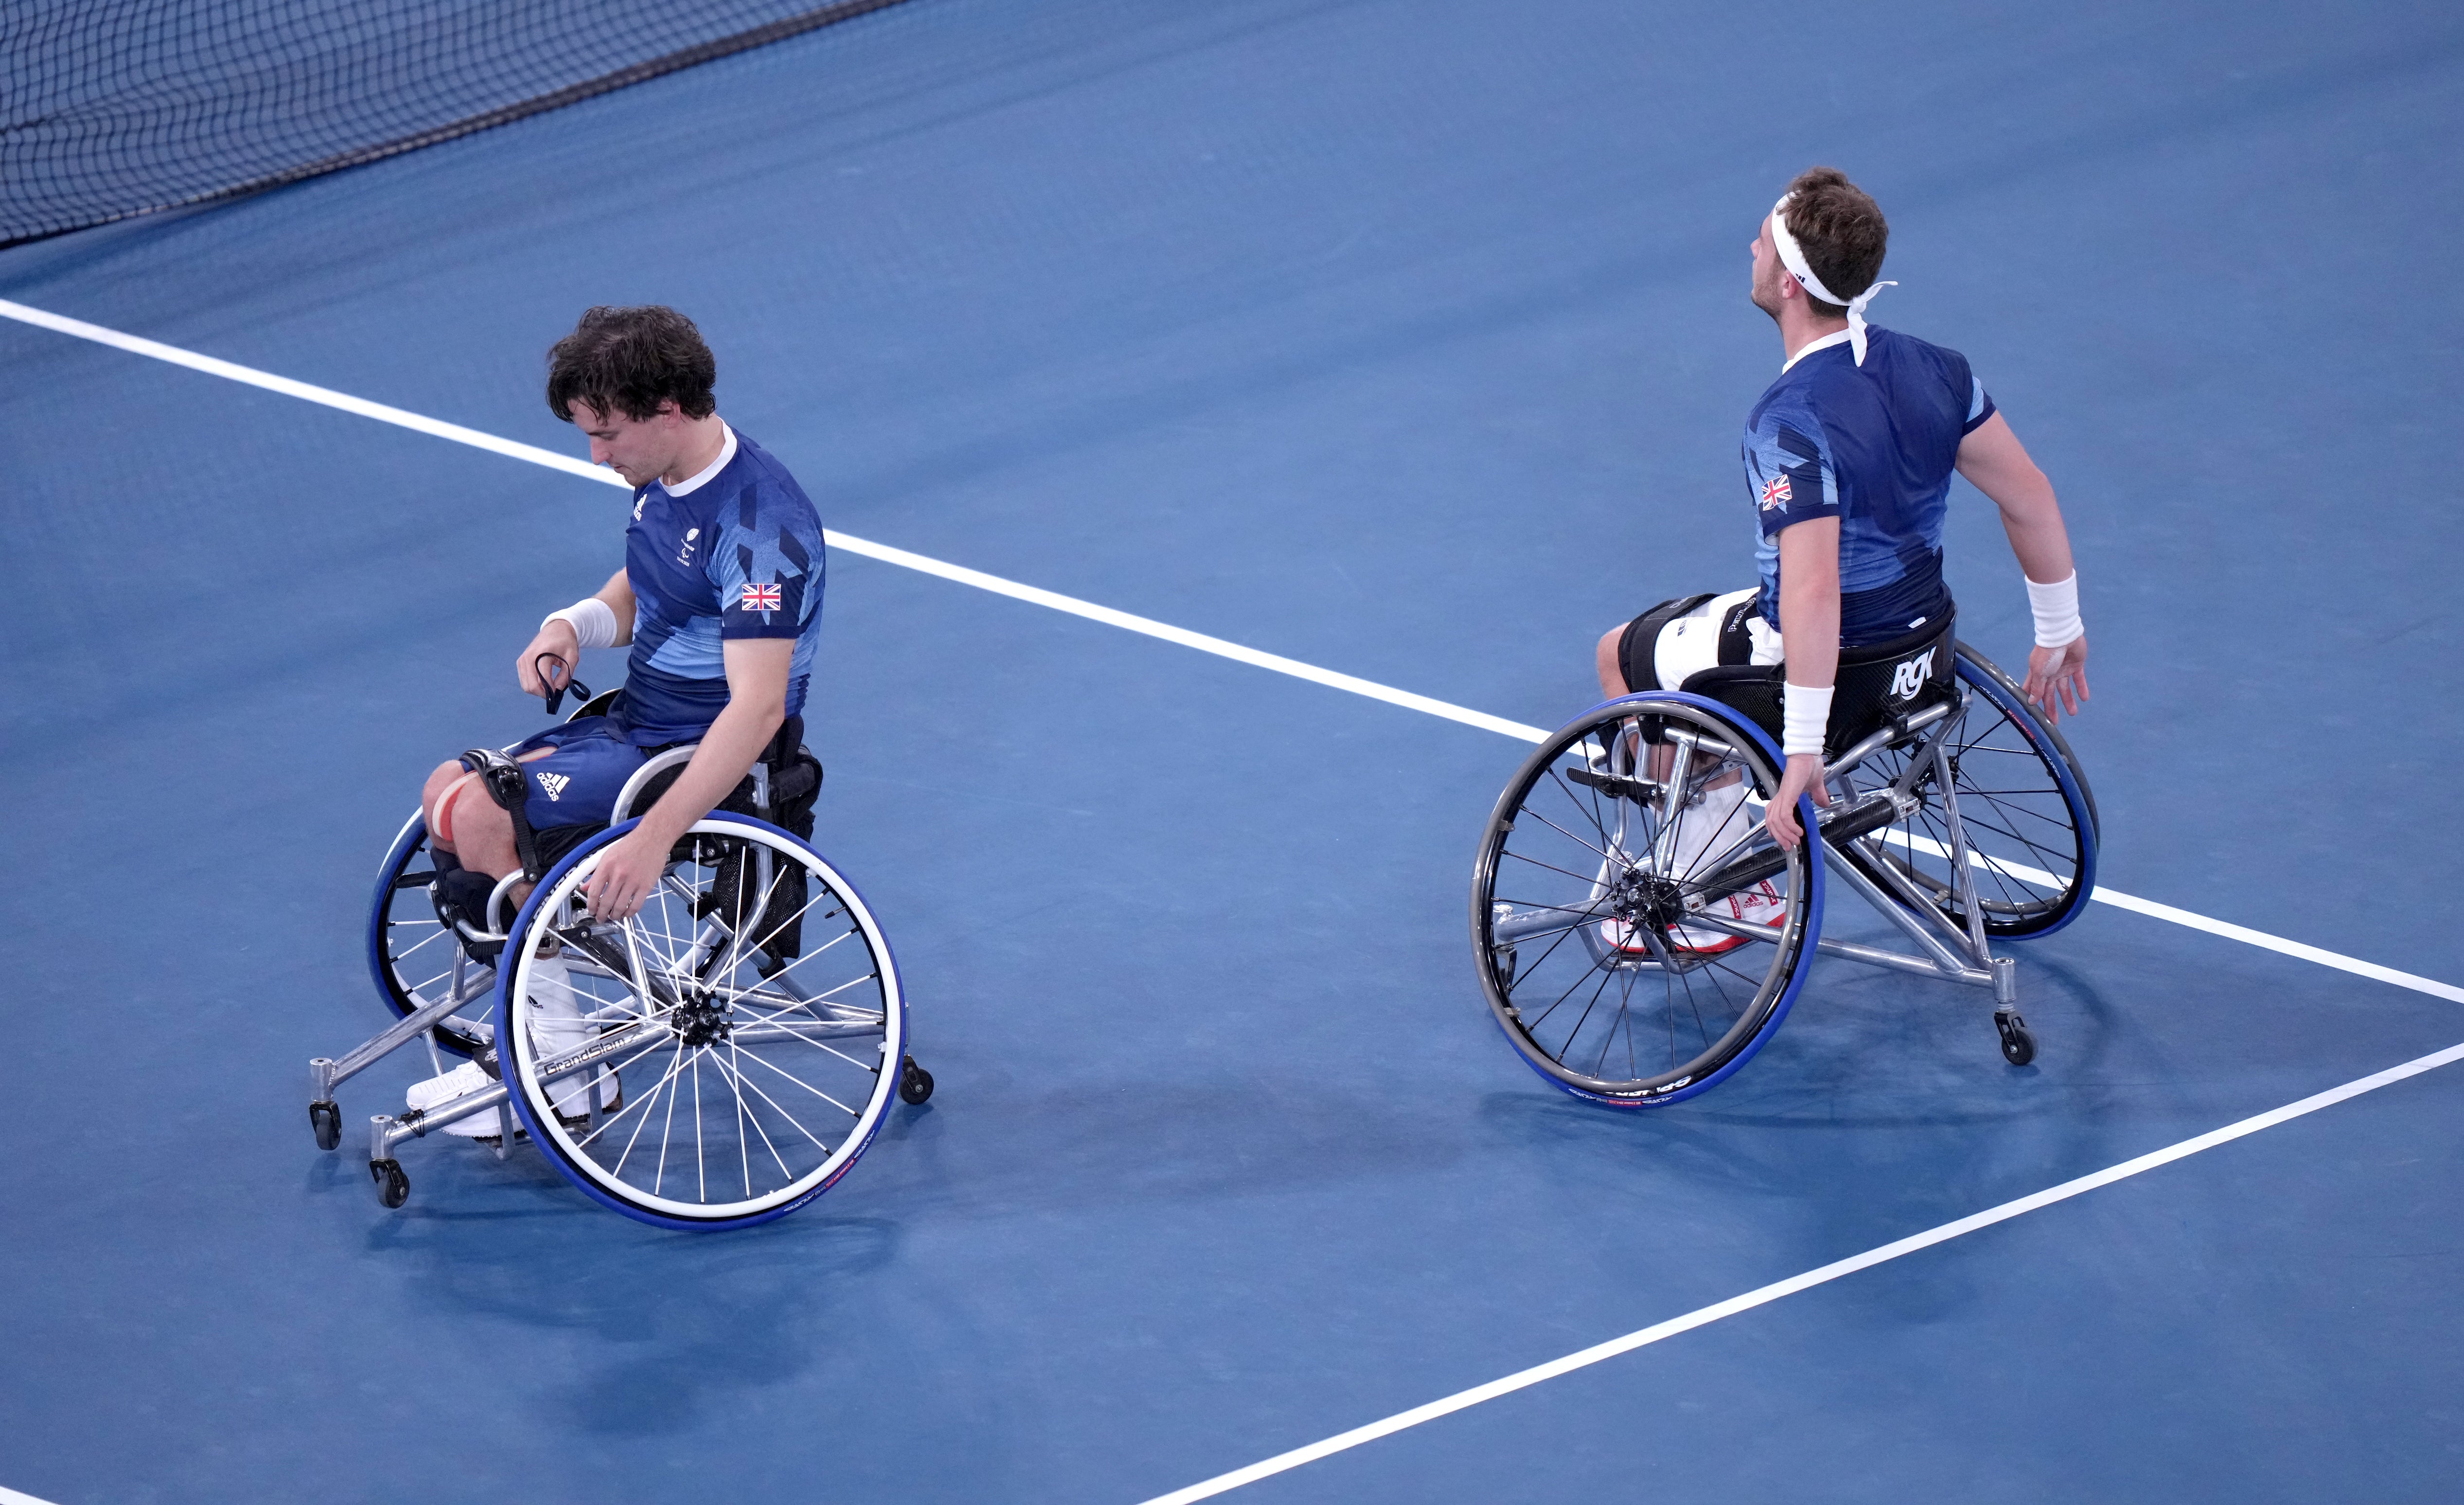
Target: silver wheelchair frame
{"type": "Point", "coordinates": [1866, 839]}
{"type": "Point", "coordinates": [613, 954]}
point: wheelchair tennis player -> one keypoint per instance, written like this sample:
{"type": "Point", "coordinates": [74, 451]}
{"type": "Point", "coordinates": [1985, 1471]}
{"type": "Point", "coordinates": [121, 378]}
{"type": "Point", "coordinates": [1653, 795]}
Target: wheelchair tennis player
{"type": "Point", "coordinates": [1848, 459]}
{"type": "Point", "coordinates": [719, 600]}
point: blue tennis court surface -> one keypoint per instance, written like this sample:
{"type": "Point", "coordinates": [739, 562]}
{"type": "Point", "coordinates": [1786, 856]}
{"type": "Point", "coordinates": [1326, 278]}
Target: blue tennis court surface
{"type": "Point", "coordinates": [1406, 341]}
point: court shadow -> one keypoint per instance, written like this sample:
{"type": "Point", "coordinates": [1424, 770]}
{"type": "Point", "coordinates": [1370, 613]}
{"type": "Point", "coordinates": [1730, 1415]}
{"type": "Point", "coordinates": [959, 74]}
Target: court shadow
{"type": "Point", "coordinates": [1118, 1145]}
{"type": "Point", "coordinates": [659, 1329]}
{"type": "Point", "coordinates": [1874, 1117]}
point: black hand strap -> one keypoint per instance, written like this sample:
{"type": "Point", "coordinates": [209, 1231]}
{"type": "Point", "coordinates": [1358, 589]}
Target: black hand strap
{"type": "Point", "coordinates": [550, 689]}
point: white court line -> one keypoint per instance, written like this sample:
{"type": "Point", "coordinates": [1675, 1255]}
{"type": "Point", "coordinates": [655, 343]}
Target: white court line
{"type": "Point", "coordinates": [1703, 1316]}
{"type": "Point", "coordinates": [1054, 600]}
{"type": "Point", "coordinates": [2214, 928]}
{"type": "Point", "coordinates": [437, 427]}
{"type": "Point", "coordinates": [9, 1496]}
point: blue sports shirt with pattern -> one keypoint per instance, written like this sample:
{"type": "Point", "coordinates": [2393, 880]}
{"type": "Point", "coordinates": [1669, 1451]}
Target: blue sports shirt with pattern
{"type": "Point", "coordinates": [733, 553]}
{"type": "Point", "coordinates": [1873, 446]}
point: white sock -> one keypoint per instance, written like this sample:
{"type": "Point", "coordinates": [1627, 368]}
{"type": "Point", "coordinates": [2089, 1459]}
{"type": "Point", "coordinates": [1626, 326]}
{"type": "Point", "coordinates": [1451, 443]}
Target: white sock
{"type": "Point", "coordinates": [1709, 827]}
{"type": "Point", "coordinates": [556, 1026]}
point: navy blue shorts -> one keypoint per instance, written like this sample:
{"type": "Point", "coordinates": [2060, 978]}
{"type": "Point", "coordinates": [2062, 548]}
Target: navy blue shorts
{"type": "Point", "coordinates": [577, 784]}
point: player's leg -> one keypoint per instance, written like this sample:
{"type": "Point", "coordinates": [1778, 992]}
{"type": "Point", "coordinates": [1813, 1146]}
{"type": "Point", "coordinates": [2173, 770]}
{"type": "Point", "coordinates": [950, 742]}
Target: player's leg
{"type": "Point", "coordinates": [572, 775]}
{"type": "Point", "coordinates": [1660, 650]}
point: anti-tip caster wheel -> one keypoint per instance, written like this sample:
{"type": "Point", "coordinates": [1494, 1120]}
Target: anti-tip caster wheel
{"type": "Point", "coordinates": [325, 1121]}
{"type": "Point", "coordinates": [2018, 1046]}
{"type": "Point", "coordinates": [393, 1187]}
{"type": "Point", "coordinates": [915, 1082]}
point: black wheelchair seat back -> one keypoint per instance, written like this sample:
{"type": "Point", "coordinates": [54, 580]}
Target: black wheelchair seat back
{"type": "Point", "coordinates": [795, 784]}
{"type": "Point", "coordinates": [1875, 684]}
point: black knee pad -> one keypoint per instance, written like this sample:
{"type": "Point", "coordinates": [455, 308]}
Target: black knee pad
{"type": "Point", "coordinates": [463, 894]}
{"type": "Point", "coordinates": [1641, 638]}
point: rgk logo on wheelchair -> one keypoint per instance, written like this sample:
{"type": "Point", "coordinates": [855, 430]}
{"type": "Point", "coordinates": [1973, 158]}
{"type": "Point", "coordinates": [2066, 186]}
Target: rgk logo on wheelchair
{"type": "Point", "coordinates": [1909, 675]}
{"type": "Point", "coordinates": [718, 1060]}
{"type": "Point", "coordinates": [1638, 934]}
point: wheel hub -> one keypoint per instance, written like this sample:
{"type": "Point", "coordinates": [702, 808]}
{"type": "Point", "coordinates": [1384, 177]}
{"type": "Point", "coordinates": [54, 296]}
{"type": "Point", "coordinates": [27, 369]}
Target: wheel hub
{"type": "Point", "coordinates": [1646, 898]}
{"type": "Point", "coordinates": [701, 1020]}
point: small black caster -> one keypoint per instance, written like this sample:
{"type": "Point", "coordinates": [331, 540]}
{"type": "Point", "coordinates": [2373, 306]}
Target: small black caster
{"type": "Point", "coordinates": [915, 1082]}
{"type": "Point", "coordinates": [2018, 1046]}
{"type": "Point", "coordinates": [325, 1119]}
{"type": "Point", "coordinates": [393, 1187]}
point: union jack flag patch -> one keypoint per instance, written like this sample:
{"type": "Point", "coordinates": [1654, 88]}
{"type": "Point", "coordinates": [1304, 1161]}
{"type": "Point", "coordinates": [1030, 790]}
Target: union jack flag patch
{"type": "Point", "coordinates": [758, 598]}
{"type": "Point", "coordinates": [1775, 492]}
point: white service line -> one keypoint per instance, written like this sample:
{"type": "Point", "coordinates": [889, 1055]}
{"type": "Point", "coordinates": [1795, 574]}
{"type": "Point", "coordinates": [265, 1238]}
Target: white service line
{"type": "Point", "coordinates": [1703, 1316]}
{"type": "Point", "coordinates": [1037, 595]}
{"type": "Point", "coordinates": [9, 1496]}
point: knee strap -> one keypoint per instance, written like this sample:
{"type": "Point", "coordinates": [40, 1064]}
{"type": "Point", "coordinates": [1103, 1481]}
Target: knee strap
{"type": "Point", "coordinates": [502, 778]}
{"type": "Point", "coordinates": [1641, 639]}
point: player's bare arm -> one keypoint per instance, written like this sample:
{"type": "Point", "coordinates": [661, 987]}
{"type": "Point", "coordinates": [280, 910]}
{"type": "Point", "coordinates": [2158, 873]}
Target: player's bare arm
{"type": "Point", "coordinates": [1809, 617]}
{"type": "Point", "coordinates": [1995, 463]}
{"type": "Point", "coordinates": [756, 703]}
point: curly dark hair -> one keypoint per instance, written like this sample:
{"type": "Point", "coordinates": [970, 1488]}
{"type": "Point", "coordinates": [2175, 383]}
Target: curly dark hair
{"type": "Point", "coordinates": [1842, 231]}
{"type": "Point", "coordinates": [631, 361]}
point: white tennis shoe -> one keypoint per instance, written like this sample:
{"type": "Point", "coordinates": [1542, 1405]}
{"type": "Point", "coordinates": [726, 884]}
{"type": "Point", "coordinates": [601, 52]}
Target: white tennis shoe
{"type": "Point", "coordinates": [437, 1091]}
{"type": "Point", "coordinates": [1759, 905]}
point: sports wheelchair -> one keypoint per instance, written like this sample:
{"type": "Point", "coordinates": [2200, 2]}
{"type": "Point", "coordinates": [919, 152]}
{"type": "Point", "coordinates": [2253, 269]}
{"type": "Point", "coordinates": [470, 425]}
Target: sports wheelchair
{"type": "Point", "coordinates": [718, 1060]}
{"type": "Point", "coordinates": [1640, 935]}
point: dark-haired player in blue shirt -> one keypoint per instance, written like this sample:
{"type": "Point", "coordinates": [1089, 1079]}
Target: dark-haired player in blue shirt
{"type": "Point", "coordinates": [1848, 459]}
{"type": "Point", "coordinates": [720, 599]}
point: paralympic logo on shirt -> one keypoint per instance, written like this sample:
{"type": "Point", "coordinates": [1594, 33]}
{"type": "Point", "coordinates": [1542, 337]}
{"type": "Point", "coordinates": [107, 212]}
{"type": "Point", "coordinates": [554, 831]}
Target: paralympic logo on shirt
{"type": "Point", "coordinates": [1775, 493]}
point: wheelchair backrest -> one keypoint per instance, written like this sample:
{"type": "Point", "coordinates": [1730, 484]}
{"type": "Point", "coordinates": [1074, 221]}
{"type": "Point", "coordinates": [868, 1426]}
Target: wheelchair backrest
{"type": "Point", "coordinates": [1875, 683]}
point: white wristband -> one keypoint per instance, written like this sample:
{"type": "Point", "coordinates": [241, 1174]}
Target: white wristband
{"type": "Point", "coordinates": [2056, 607]}
{"type": "Point", "coordinates": [593, 620]}
{"type": "Point", "coordinates": [1805, 714]}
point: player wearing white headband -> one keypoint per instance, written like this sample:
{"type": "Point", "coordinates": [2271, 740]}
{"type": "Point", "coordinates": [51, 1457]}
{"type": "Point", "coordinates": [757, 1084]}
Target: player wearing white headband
{"type": "Point", "coordinates": [1848, 459]}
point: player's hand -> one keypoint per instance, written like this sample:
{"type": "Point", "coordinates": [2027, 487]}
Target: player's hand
{"type": "Point", "coordinates": [1804, 776]}
{"type": "Point", "coordinates": [626, 876]}
{"type": "Point", "coordinates": [2057, 678]}
{"type": "Point", "coordinates": [558, 638]}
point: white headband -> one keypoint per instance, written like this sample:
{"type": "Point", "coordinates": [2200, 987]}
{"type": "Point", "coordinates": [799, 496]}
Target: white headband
{"type": "Point", "coordinates": [1794, 258]}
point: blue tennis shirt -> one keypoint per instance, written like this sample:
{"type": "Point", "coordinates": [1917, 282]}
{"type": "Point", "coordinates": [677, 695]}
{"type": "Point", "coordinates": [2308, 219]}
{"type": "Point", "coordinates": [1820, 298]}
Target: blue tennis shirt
{"type": "Point", "coordinates": [735, 552]}
{"type": "Point", "coordinates": [1873, 446]}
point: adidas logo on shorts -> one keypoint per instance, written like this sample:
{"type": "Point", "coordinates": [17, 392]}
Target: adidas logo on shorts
{"type": "Point", "coordinates": [552, 785]}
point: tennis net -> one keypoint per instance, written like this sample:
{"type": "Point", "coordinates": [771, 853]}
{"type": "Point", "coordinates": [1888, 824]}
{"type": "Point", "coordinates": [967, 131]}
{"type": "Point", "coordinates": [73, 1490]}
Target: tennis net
{"type": "Point", "coordinates": [110, 108]}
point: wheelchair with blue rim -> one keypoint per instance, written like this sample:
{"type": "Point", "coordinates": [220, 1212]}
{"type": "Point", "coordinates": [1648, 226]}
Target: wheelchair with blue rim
{"type": "Point", "coordinates": [716, 1060]}
{"type": "Point", "coordinates": [1640, 935]}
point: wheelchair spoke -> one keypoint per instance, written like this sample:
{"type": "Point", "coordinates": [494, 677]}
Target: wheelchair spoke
{"type": "Point", "coordinates": [1606, 840]}
{"type": "Point", "coordinates": [793, 1121]}
{"type": "Point", "coordinates": [749, 1116]}
{"type": "Point", "coordinates": [808, 1086]}
{"type": "Point", "coordinates": [1578, 877]}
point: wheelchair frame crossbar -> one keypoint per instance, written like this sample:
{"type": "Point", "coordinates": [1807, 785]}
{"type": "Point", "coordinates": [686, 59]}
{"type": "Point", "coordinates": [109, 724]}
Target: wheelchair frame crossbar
{"type": "Point", "coordinates": [324, 1074]}
{"type": "Point", "coordinates": [1950, 952]}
